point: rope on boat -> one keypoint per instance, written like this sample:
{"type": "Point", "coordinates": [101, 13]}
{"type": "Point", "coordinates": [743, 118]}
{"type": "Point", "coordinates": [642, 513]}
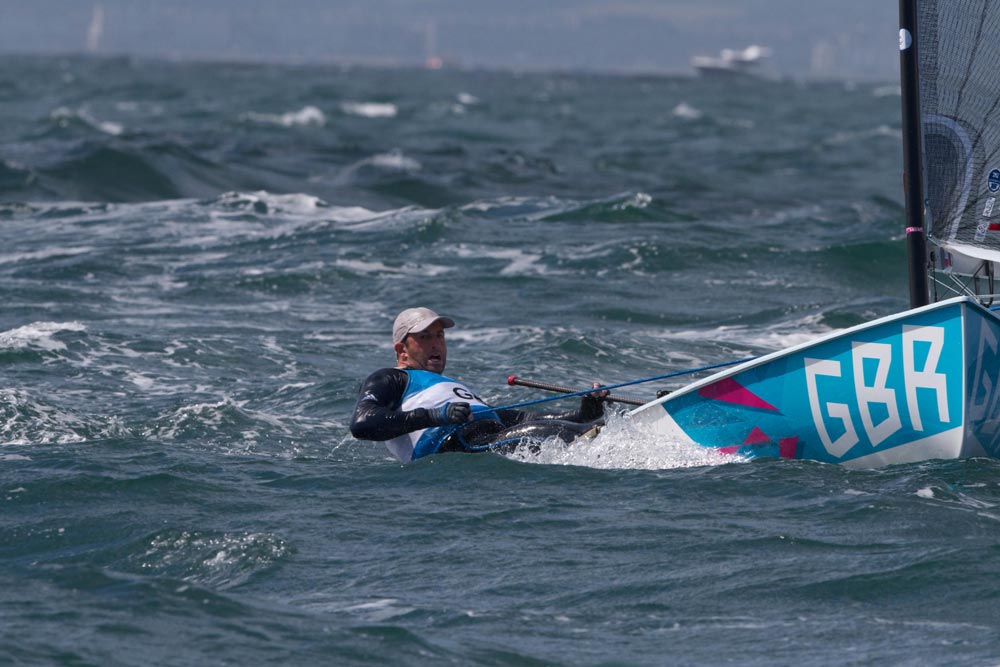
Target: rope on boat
{"type": "Point", "coordinates": [610, 387]}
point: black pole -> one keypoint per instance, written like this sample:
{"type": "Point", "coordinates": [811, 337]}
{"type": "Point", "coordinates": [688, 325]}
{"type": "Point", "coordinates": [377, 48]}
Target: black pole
{"type": "Point", "coordinates": [913, 167]}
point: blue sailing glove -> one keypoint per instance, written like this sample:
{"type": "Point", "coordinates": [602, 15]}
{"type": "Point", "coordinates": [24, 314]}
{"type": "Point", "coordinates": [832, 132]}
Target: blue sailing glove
{"type": "Point", "coordinates": [451, 413]}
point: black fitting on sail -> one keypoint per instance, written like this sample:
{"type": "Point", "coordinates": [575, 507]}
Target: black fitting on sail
{"type": "Point", "coordinates": [913, 168]}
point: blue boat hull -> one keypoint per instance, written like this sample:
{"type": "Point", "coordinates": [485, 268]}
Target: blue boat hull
{"type": "Point", "coordinates": [923, 384]}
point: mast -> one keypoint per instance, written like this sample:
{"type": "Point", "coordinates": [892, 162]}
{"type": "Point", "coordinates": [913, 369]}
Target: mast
{"type": "Point", "coordinates": [913, 166]}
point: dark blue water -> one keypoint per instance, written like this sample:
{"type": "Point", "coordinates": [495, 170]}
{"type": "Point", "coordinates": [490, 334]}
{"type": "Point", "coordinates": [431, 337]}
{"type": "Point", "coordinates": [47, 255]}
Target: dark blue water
{"type": "Point", "coordinates": [200, 263]}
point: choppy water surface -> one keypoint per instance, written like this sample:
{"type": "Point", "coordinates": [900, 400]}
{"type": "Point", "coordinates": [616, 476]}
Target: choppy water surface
{"type": "Point", "coordinates": [200, 263]}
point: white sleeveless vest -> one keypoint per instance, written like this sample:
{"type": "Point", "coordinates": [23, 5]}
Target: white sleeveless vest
{"type": "Point", "coordinates": [431, 391]}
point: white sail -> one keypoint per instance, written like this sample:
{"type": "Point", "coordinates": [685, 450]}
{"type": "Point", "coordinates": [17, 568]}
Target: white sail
{"type": "Point", "coordinates": [959, 92]}
{"type": "Point", "coordinates": [96, 29]}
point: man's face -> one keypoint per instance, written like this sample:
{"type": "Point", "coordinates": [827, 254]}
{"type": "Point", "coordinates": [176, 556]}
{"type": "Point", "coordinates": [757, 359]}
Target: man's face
{"type": "Point", "coordinates": [424, 350]}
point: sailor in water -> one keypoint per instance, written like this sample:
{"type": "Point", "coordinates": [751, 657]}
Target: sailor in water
{"type": "Point", "coordinates": [417, 411]}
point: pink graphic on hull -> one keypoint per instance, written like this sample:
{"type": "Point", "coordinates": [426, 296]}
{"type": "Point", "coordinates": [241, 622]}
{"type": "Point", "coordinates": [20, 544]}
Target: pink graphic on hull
{"type": "Point", "coordinates": [729, 390]}
{"type": "Point", "coordinates": [756, 437]}
{"type": "Point", "coordinates": [786, 446]}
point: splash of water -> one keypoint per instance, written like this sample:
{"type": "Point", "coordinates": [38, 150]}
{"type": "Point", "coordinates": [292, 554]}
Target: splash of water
{"type": "Point", "coordinates": [624, 444]}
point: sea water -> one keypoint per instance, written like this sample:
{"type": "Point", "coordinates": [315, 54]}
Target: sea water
{"type": "Point", "coordinates": [199, 264]}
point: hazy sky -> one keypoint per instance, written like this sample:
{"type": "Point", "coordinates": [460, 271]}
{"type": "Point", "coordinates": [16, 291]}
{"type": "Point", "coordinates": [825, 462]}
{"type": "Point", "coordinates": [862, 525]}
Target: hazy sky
{"type": "Point", "coordinates": [847, 38]}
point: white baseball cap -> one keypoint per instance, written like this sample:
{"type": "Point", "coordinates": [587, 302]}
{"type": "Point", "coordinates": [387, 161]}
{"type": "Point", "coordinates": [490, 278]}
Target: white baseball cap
{"type": "Point", "coordinates": [413, 320]}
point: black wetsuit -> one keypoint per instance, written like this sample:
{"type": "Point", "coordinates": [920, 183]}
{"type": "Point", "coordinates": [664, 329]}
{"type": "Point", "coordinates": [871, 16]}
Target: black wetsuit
{"type": "Point", "coordinates": [377, 416]}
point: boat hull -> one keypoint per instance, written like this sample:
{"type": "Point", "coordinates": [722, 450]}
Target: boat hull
{"type": "Point", "coordinates": [919, 385]}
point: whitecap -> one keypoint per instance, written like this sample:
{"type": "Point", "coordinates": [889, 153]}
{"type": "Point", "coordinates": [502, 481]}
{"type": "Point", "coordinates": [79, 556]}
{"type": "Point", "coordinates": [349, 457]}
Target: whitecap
{"type": "Point", "coordinates": [47, 253]}
{"type": "Point", "coordinates": [130, 106]}
{"type": "Point", "coordinates": [370, 109]}
{"type": "Point", "coordinates": [777, 336]}
{"type": "Point", "coordinates": [141, 381]}
{"type": "Point", "coordinates": [295, 202]}
{"type": "Point", "coordinates": [25, 420]}
{"type": "Point", "coordinates": [307, 115]}
{"type": "Point", "coordinates": [521, 208]}
{"type": "Point", "coordinates": [38, 334]}
{"type": "Point", "coordinates": [63, 116]}
{"type": "Point", "coordinates": [686, 111]}
{"type": "Point", "coordinates": [379, 610]}
{"type": "Point", "coordinates": [391, 161]}
{"type": "Point", "coordinates": [639, 200]}
{"type": "Point", "coordinates": [376, 267]}
{"type": "Point", "coordinates": [863, 136]}
{"type": "Point", "coordinates": [518, 261]}
{"type": "Point", "coordinates": [221, 560]}
{"type": "Point", "coordinates": [888, 91]}
{"type": "Point", "coordinates": [394, 160]}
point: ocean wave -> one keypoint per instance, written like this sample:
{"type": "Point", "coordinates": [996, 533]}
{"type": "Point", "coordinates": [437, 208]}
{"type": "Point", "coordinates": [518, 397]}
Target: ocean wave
{"type": "Point", "coordinates": [513, 208]}
{"type": "Point", "coordinates": [306, 116]}
{"type": "Point", "coordinates": [140, 107]}
{"type": "Point", "coordinates": [203, 421]}
{"type": "Point", "coordinates": [27, 419]}
{"type": "Point", "coordinates": [625, 207]}
{"type": "Point", "coordinates": [52, 211]}
{"type": "Point", "coordinates": [881, 132]}
{"type": "Point", "coordinates": [887, 91]}
{"type": "Point", "coordinates": [103, 172]}
{"type": "Point", "coordinates": [515, 261]}
{"type": "Point", "coordinates": [65, 117]}
{"type": "Point", "coordinates": [392, 173]}
{"type": "Point", "coordinates": [14, 176]}
{"type": "Point", "coordinates": [773, 336]}
{"type": "Point", "coordinates": [166, 226]}
{"type": "Point", "coordinates": [145, 168]}
{"type": "Point", "coordinates": [687, 112]}
{"type": "Point", "coordinates": [38, 335]}
{"type": "Point", "coordinates": [219, 560]}
{"type": "Point", "coordinates": [267, 203]}
{"type": "Point", "coordinates": [233, 427]}
{"type": "Point", "coordinates": [393, 161]}
{"type": "Point", "coordinates": [46, 254]}
{"type": "Point", "coordinates": [370, 109]}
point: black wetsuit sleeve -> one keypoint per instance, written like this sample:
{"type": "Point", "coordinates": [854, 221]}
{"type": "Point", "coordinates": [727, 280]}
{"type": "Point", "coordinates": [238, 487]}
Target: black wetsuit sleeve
{"type": "Point", "coordinates": [590, 409]}
{"type": "Point", "coordinates": [377, 415]}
